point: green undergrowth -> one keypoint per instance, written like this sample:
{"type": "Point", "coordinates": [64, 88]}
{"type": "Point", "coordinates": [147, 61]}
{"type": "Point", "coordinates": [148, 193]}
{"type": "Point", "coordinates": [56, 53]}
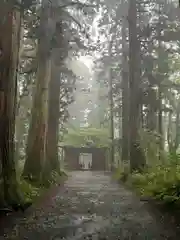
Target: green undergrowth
{"type": "Point", "coordinates": [160, 183]}
{"type": "Point", "coordinates": [32, 191]}
{"type": "Point", "coordinates": [29, 191]}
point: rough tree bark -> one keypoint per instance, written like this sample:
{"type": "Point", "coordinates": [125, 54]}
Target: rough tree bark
{"type": "Point", "coordinates": [10, 22]}
{"type": "Point", "coordinates": [59, 53]}
{"type": "Point", "coordinates": [53, 116]}
{"type": "Point", "coordinates": [36, 143]}
{"type": "Point", "coordinates": [160, 87]}
{"type": "Point", "coordinates": [151, 114]}
{"type": "Point", "coordinates": [111, 105]}
{"type": "Point", "coordinates": [25, 104]}
{"type": "Point", "coordinates": [160, 123]}
{"type": "Point", "coordinates": [125, 95]}
{"type": "Point", "coordinates": [137, 158]}
{"type": "Point", "coordinates": [173, 136]}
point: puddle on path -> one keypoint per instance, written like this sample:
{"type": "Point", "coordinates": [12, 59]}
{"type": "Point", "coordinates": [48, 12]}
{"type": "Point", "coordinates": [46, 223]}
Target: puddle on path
{"type": "Point", "coordinates": [81, 227]}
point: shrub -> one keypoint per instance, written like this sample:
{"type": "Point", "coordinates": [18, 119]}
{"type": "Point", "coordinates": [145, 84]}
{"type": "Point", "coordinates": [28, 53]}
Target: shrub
{"type": "Point", "coordinates": [29, 191]}
{"type": "Point", "coordinates": [161, 183]}
{"type": "Point", "coordinates": [34, 190]}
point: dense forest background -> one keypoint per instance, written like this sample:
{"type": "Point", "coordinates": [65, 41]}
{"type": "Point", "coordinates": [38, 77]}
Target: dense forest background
{"type": "Point", "coordinates": [103, 72]}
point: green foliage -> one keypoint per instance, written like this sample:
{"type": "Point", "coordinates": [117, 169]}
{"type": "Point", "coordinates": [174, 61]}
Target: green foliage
{"type": "Point", "coordinates": [32, 192]}
{"type": "Point", "coordinates": [82, 136]}
{"type": "Point", "coordinates": [29, 191]}
{"type": "Point", "coordinates": [161, 183]}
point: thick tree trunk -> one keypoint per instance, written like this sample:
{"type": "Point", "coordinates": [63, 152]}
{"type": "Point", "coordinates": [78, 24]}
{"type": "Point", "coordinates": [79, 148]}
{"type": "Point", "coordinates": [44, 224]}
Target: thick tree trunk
{"type": "Point", "coordinates": [170, 137]}
{"type": "Point", "coordinates": [36, 143]}
{"type": "Point", "coordinates": [35, 151]}
{"type": "Point", "coordinates": [177, 142]}
{"type": "Point", "coordinates": [25, 104]}
{"type": "Point", "coordinates": [173, 141]}
{"type": "Point", "coordinates": [20, 130]}
{"type": "Point", "coordinates": [10, 21]}
{"type": "Point", "coordinates": [125, 96]}
{"type": "Point", "coordinates": [53, 117]}
{"type": "Point", "coordinates": [160, 123]}
{"type": "Point", "coordinates": [151, 117]}
{"type": "Point", "coordinates": [137, 158]}
{"type": "Point", "coordinates": [111, 106]}
{"type": "Point", "coordinates": [160, 78]}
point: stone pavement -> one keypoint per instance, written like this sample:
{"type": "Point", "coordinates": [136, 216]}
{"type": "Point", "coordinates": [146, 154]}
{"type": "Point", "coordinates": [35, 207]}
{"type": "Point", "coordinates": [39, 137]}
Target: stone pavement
{"type": "Point", "coordinates": [91, 206]}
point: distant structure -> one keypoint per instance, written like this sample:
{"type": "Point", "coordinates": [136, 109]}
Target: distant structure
{"type": "Point", "coordinates": [85, 158]}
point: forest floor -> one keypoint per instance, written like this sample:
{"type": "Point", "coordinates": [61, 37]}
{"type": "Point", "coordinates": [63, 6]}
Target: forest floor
{"type": "Point", "coordinates": [90, 206]}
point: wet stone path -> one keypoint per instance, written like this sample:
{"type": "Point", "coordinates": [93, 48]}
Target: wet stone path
{"type": "Point", "coordinates": [90, 206]}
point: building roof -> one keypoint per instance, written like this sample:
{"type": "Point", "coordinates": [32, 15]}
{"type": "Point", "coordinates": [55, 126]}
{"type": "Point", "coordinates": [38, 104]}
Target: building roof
{"type": "Point", "coordinates": [83, 147]}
